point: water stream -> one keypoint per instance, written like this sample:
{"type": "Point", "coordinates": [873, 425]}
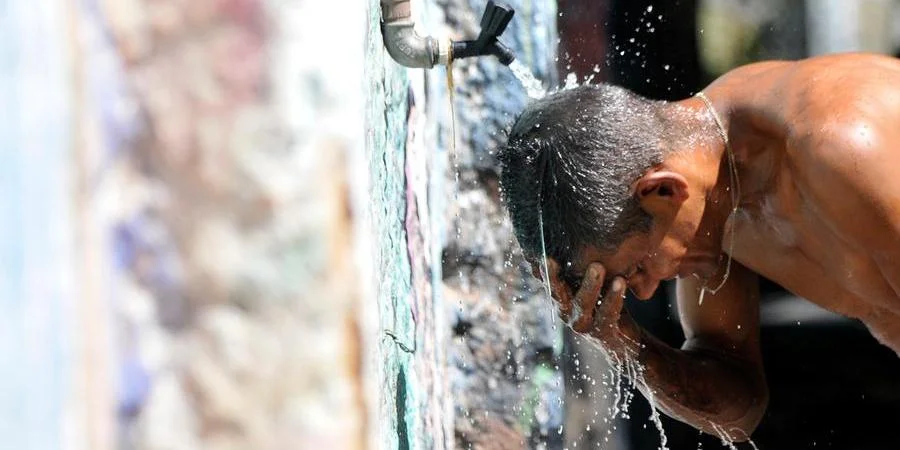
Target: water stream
{"type": "Point", "coordinates": [532, 85]}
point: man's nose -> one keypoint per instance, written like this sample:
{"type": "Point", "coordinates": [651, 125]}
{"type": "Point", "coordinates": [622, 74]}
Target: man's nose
{"type": "Point", "coordinates": [643, 288]}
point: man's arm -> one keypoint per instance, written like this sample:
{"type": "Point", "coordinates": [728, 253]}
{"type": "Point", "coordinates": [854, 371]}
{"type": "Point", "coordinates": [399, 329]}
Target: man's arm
{"type": "Point", "coordinates": [715, 380]}
{"type": "Point", "coordinates": [717, 376]}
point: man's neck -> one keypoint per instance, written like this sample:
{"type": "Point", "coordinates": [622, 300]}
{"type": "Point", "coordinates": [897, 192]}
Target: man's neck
{"type": "Point", "coordinates": [704, 159]}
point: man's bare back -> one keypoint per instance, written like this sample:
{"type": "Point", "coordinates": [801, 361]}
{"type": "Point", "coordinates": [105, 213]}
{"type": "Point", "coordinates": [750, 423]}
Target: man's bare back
{"type": "Point", "coordinates": [822, 139]}
{"type": "Point", "coordinates": [787, 172]}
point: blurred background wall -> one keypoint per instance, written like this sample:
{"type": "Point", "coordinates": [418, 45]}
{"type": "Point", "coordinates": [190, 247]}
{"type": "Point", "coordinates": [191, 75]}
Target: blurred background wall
{"type": "Point", "coordinates": [40, 401]}
{"type": "Point", "coordinates": [221, 232]}
{"type": "Point", "coordinates": [183, 253]}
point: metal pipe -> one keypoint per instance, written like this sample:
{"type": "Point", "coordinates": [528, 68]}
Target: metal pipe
{"type": "Point", "coordinates": [402, 42]}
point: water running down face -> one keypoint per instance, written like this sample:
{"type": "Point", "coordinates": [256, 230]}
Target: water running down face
{"type": "Point", "coordinates": [644, 260]}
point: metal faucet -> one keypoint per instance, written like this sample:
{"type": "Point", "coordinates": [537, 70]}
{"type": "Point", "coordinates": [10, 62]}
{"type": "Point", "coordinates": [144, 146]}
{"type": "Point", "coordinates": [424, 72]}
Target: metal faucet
{"type": "Point", "coordinates": [410, 49]}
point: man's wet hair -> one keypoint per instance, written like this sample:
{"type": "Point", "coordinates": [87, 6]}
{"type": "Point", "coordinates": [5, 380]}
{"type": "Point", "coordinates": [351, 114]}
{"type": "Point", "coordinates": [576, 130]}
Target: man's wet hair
{"type": "Point", "coordinates": [571, 158]}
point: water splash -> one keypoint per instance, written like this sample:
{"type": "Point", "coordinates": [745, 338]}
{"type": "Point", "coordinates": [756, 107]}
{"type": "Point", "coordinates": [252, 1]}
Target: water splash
{"type": "Point", "coordinates": [571, 81]}
{"type": "Point", "coordinates": [723, 435]}
{"type": "Point", "coordinates": [532, 85]}
{"type": "Point", "coordinates": [625, 376]}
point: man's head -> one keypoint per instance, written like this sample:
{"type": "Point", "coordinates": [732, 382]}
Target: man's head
{"type": "Point", "coordinates": [589, 162]}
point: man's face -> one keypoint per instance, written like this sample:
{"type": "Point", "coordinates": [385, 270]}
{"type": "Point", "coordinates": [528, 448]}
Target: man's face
{"type": "Point", "coordinates": [644, 260]}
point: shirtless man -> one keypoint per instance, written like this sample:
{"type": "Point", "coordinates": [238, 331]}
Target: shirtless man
{"type": "Point", "coordinates": [787, 170]}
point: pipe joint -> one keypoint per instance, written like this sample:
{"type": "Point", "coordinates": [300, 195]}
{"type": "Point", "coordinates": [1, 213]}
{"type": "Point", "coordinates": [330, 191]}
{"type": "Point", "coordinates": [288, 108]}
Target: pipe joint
{"type": "Point", "coordinates": [410, 49]}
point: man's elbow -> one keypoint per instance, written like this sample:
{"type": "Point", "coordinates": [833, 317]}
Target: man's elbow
{"type": "Point", "coordinates": [741, 428]}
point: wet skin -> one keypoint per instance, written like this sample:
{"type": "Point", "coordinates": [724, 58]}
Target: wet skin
{"type": "Point", "coordinates": [817, 146]}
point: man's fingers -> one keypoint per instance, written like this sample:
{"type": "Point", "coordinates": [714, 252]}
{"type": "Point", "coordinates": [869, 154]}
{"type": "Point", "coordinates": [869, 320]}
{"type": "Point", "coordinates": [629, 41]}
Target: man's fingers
{"type": "Point", "coordinates": [611, 305]}
{"type": "Point", "coordinates": [609, 311]}
{"type": "Point", "coordinates": [587, 297]}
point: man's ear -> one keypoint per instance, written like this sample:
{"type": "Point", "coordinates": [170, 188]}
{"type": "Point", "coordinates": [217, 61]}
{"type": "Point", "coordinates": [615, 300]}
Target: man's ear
{"type": "Point", "coordinates": [661, 193]}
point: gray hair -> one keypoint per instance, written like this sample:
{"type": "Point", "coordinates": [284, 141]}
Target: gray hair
{"type": "Point", "coordinates": [570, 159]}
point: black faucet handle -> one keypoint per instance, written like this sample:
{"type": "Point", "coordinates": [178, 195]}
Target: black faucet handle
{"type": "Point", "coordinates": [494, 20]}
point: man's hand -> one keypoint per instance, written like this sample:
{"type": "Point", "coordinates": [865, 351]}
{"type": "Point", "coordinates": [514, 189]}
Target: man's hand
{"type": "Point", "coordinates": [586, 311]}
{"type": "Point", "coordinates": [715, 381]}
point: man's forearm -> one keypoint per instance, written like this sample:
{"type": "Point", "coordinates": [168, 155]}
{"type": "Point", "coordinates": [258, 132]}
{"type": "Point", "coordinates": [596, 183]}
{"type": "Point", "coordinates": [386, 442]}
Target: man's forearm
{"type": "Point", "coordinates": [701, 387]}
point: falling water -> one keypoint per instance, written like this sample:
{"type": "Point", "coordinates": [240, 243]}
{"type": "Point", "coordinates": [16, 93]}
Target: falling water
{"type": "Point", "coordinates": [454, 156]}
{"type": "Point", "coordinates": [450, 89]}
{"type": "Point", "coordinates": [545, 272]}
{"type": "Point", "coordinates": [532, 85]}
{"type": "Point", "coordinates": [626, 375]}
{"type": "Point", "coordinates": [727, 441]}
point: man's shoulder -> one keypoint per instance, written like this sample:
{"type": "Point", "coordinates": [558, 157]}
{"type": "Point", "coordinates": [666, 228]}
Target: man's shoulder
{"type": "Point", "coordinates": [853, 60]}
{"type": "Point", "coordinates": [844, 89]}
{"type": "Point", "coordinates": [814, 67]}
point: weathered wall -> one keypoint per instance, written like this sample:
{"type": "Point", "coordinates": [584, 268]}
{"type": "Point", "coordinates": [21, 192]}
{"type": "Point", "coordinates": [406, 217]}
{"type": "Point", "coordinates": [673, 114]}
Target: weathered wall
{"type": "Point", "coordinates": [219, 141]}
{"type": "Point", "coordinates": [409, 359]}
{"type": "Point", "coordinates": [458, 273]}
{"type": "Point", "coordinates": [504, 371]}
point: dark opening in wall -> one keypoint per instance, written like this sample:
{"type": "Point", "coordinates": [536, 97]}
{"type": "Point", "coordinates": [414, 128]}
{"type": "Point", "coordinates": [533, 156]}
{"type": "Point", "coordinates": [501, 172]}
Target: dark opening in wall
{"type": "Point", "coordinates": [400, 405]}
